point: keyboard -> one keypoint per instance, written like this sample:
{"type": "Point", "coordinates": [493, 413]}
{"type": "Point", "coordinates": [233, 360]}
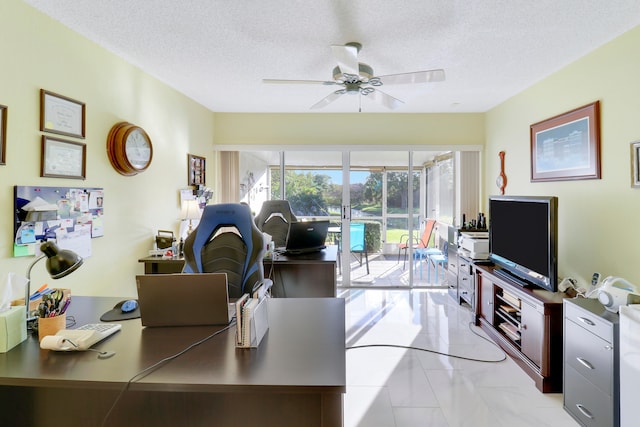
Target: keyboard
{"type": "Point", "coordinates": [81, 338]}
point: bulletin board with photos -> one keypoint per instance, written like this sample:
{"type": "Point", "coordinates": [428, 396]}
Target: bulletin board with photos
{"type": "Point", "coordinates": [71, 216]}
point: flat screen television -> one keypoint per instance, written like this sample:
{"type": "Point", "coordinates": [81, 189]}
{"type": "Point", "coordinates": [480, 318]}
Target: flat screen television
{"type": "Point", "coordinates": [523, 239]}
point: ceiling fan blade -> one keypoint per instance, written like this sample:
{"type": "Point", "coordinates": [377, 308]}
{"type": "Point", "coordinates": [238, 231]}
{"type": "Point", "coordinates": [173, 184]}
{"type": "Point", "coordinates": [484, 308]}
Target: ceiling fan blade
{"type": "Point", "coordinates": [415, 77]}
{"type": "Point", "coordinates": [384, 99]}
{"type": "Point", "coordinates": [347, 58]}
{"type": "Point", "coordinates": [327, 100]}
{"type": "Point", "coordinates": [303, 82]}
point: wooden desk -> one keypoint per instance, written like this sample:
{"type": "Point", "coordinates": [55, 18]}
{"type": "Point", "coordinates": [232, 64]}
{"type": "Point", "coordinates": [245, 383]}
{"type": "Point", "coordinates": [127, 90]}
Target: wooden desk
{"type": "Point", "coordinates": [302, 276]}
{"type": "Point", "coordinates": [295, 377]}
{"type": "Point", "coordinates": [162, 265]}
{"type": "Point", "coordinates": [299, 276]}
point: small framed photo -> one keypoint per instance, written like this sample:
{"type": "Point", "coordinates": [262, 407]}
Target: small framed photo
{"type": "Point", "coordinates": [3, 134]}
{"type": "Point", "coordinates": [196, 168]}
{"type": "Point", "coordinates": [63, 159]}
{"type": "Point", "coordinates": [567, 146]}
{"type": "Point", "coordinates": [635, 164]}
{"type": "Point", "coordinates": [61, 115]}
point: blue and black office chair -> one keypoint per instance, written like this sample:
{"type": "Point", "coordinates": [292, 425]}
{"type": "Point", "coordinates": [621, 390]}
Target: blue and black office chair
{"type": "Point", "coordinates": [228, 241]}
{"type": "Point", "coordinates": [274, 218]}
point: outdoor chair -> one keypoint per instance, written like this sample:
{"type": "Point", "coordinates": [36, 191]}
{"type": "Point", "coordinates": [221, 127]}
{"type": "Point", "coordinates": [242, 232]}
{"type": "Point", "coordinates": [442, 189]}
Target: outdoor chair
{"type": "Point", "coordinates": [422, 243]}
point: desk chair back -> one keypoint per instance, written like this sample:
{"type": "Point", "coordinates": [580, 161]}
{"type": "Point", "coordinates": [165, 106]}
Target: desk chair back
{"type": "Point", "coordinates": [274, 219]}
{"type": "Point", "coordinates": [227, 240]}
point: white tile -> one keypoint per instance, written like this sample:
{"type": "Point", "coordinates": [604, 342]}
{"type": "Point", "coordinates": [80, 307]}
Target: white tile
{"type": "Point", "coordinates": [367, 407]}
{"type": "Point", "coordinates": [399, 386]}
{"type": "Point", "coordinates": [419, 417]}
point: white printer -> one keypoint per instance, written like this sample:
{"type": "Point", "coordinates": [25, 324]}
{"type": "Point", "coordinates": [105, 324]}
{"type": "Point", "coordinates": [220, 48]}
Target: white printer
{"type": "Point", "coordinates": [475, 243]}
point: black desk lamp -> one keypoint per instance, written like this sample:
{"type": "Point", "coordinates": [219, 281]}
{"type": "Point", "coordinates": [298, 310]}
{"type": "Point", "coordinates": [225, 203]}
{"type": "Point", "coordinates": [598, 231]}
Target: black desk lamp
{"type": "Point", "coordinates": [59, 264]}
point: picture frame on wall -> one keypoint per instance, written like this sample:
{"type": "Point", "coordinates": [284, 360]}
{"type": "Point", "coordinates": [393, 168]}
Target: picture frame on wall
{"type": "Point", "coordinates": [635, 164]}
{"type": "Point", "coordinates": [63, 159]}
{"type": "Point", "coordinates": [3, 134]}
{"type": "Point", "coordinates": [567, 146]}
{"type": "Point", "coordinates": [61, 115]}
{"type": "Point", "coordinates": [196, 169]}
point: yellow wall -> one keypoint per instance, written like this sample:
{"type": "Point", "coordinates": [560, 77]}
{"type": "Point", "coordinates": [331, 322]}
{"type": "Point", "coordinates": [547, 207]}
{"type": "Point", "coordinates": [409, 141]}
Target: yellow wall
{"type": "Point", "coordinates": [598, 226]}
{"type": "Point", "coordinates": [39, 53]}
{"type": "Point", "coordinates": [350, 129]}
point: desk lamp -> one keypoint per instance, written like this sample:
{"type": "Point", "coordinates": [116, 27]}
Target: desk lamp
{"type": "Point", "coordinates": [190, 211]}
{"type": "Point", "coordinates": [59, 264]}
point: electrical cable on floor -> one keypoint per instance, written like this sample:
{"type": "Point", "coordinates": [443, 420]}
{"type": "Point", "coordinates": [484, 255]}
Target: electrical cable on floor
{"type": "Point", "coordinates": [408, 347]}
{"type": "Point", "coordinates": [146, 371]}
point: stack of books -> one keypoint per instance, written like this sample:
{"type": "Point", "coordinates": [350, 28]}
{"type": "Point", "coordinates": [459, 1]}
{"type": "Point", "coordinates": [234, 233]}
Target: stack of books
{"type": "Point", "coordinates": [252, 320]}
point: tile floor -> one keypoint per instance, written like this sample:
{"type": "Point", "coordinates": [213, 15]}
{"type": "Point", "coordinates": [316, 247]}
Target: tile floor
{"type": "Point", "coordinates": [398, 387]}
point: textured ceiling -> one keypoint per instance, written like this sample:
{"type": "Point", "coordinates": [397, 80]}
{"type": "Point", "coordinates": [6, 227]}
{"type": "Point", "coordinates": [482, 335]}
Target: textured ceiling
{"type": "Point", "coordinates": [217, 52]}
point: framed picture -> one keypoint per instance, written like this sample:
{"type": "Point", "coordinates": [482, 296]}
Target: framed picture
{"type": "Point", "coordinates": [635, 164]}
{"type": "Point", "coordinates": [63, 159]}
{"type": "Point", "coordinates": [196, 168]}
{"type": "Point", "coordinates": [61, 115]}
{"type": "Point", "coordinates": [3, 134]}
{"type": "Point", "coordinates": [567, 146]}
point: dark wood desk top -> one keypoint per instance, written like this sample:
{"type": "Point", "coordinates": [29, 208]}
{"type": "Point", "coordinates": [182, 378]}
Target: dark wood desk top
{"type": "Point", "coordinates": [162, 259]}
{"type": "Point", "coordinates": [328, 254]}
{"type": "Point", "coordinates": [303, 349]}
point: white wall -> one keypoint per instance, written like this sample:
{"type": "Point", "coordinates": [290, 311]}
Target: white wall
{"type": "Point", "coordinates": [598, 227]}
{"type": "Point", "coordinates": [39, 53]}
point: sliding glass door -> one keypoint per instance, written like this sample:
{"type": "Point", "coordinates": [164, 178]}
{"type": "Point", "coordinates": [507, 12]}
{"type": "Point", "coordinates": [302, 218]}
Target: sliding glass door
{"type": "Point", "coordinates": [371, 198]}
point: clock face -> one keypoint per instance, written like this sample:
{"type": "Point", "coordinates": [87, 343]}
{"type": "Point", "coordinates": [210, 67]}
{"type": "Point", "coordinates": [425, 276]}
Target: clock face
{"type": "Point", "coordinates": [129, 149]}
{"type": "Point", "coordinates": [138, 149]}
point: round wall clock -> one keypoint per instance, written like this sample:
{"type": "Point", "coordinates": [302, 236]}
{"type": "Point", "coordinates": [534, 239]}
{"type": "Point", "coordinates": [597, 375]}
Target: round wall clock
{"type": "Point", "coordinates": [501, 181]}
{"type": "Point", "coordinates": [129, 148]}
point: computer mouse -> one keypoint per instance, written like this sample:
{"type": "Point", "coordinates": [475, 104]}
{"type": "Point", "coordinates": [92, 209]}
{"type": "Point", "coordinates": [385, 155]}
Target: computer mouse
{"type": "Point", "coordinates": [129, 305]}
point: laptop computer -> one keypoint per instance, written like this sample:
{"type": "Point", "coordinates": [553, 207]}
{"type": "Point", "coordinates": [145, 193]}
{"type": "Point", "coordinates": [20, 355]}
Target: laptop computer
{"type": "Point", "coordinates": [184, 299]}
{"type": "Point", "coordinates": [306, 236]}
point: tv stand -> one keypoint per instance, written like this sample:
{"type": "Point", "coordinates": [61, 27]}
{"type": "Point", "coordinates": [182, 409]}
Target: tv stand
{"type": "Point", "coordinates": [526, 322]}
{"type": "Point", "coordinates": [505, 274]}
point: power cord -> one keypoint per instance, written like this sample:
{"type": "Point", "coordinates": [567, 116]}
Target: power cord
{"type": "Point", "coordinates": [101, 354]}
{"type": "Point", "coordinates": [148, 370]}
{"type": "Point", "coordinates": [504, 355]}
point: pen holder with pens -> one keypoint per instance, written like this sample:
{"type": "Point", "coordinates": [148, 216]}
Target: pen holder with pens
{"type": "Point", "coordinates": [50, 308]}
{"type": "Point", "coordinates": [51, 325]}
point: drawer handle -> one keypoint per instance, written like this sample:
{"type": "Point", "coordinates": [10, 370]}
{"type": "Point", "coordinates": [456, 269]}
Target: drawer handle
{"type": "Point", "coordinates": [587, 321]}
{"type": "Point", "coordinates": [584, 411]}
{"type": "Point", "coordinates": [585, 363]}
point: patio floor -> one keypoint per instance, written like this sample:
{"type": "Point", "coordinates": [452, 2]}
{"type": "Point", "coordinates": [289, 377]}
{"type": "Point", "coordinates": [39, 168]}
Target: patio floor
{"type": "Point", "coordinates": [387, 271]}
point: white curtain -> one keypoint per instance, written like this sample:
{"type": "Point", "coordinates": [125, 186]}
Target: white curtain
{"type": "Point", "coordinates": [229, 177]}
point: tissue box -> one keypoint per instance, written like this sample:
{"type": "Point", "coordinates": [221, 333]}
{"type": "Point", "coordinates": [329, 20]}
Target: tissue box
{"type": "Point", "coordinates": [13, 327]}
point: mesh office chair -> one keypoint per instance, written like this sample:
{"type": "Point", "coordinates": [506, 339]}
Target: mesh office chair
{"type": "Point", "coordinates": [227, 241]}
{"type": "Point", "coordinates": [274, 219]}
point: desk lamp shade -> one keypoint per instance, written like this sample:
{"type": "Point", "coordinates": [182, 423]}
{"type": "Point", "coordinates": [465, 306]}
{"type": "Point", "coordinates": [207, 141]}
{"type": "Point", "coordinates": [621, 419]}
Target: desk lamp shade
{"type": "Point", "coordinates": [60, 262]}
{"type": "Point", "coordinates": [190, 211]}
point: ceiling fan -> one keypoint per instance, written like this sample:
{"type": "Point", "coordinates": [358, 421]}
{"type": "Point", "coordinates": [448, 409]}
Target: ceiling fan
{"type": "Point", "coordinates": [357, 78]}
